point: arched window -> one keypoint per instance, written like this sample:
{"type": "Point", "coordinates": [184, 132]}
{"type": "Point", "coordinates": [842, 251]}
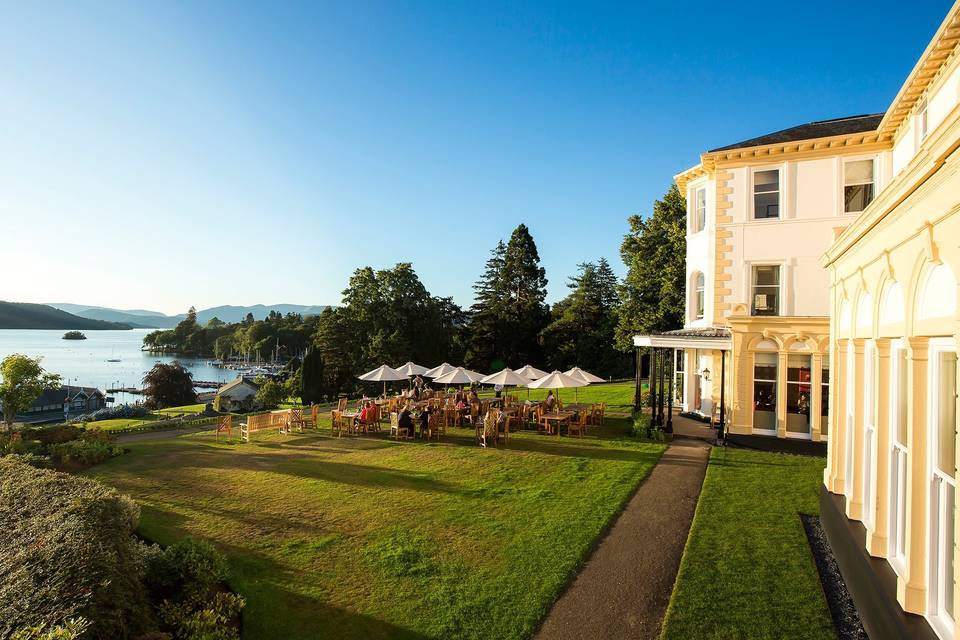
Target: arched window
{"type": "Point", "coordinates": [699, 299]}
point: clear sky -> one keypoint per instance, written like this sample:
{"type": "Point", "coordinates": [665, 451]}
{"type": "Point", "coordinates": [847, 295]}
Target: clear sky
{"type": "Point", "coordinates": [163, 154]}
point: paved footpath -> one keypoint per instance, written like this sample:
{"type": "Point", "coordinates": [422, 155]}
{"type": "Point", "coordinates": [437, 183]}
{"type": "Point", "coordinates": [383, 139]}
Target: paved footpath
{"type": "Point", "coordinates": [625, 586]}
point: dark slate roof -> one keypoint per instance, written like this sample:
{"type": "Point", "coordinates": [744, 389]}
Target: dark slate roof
{"type": "Point", "coordinates": [706, 332]}
{"type": "Point", "coordinates": [811, 130]}
{"type": "Point", "coordinates": [58, 396]}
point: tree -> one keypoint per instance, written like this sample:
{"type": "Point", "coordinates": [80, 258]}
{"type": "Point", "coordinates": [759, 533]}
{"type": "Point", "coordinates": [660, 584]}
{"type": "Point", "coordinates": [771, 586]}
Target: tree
{"type": "Point", "coordinates": [509, 310]}
{"type": "Point", "coordinates": [312, 378]}
{"type": "Point", "coordinates": [271, 394]}
{"type": "Point", "coordinates": [168, 385]}
{"type": "Point", "coordinates": [655, 252]}
{"type": "Point", "coordinates": [583, 326]}
{"type": "Point", "coordinates": [23, 380]}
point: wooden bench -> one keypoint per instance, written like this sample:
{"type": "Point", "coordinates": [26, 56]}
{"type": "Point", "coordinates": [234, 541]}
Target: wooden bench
{"type": "Point", "coordinates": [263, 422]}
{"type": "Point", "coordinates": [225, 425]}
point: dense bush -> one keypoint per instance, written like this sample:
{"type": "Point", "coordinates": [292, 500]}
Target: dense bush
{"type": "Point", "coordinates": [69, 630]}
{"type": "Point", "coordinates": [52, 435]}
{"type": "Point", "coordinates": [212, 620]}
{"type": "Point", "coordinates": [119, 411]}
{"type": "Point", "coordinates": [67, 550]}
{"type": "Point", "coordinates": [643, 427]}
{"type": "Point", "coordinates": [183, 572]}
{"type": "Point", "coordinates": [32, 459]}
{"type": "Point", "coordinates": [84, 452]}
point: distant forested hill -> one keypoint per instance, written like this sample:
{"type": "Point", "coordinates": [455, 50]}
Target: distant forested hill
{"type": "Point", "coordinates": [24, 315]}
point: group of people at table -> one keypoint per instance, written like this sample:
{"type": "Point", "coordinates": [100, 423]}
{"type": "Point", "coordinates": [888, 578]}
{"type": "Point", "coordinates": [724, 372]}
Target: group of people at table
{"type": "Point", "coordinates": [420, 412]}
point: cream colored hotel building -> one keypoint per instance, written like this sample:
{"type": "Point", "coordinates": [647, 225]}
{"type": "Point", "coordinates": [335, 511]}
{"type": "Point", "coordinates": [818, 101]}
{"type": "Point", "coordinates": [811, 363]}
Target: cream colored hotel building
{"type": "Point", "coordinates": [823, 262]}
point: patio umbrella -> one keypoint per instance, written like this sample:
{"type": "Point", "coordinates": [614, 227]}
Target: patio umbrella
{"type": "Point", "coordinates": [557, 380]}
{"type": "Point", "coordinates": [577, 372]}
{"type": "Point", "coordinates": [530, 373]}
{"type": "Point", "coordinates": [459, 375]}
{"type": "Point", "coordinates": [506, 378]}
{"type": "Point", "coordinates": [383, 374]}
{"type": "Point", "coordinates": [442, 370]}
{"type": "Point", "coordinates": [410, 369]}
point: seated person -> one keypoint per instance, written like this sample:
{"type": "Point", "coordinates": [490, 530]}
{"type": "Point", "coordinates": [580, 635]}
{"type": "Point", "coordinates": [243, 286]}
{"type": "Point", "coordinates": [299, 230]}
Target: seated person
{"type": "Point", "coordinates": [366, 414]}
{"type": "Point", "coordinates": [406, 421]}
{"type": "Point", "coordinates": [424, 422]}
{"type": "Point", "coordinates": [550, 403]}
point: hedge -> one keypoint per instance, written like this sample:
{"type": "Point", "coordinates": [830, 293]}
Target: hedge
{"type": "Point", "coordinates": [67, 551]}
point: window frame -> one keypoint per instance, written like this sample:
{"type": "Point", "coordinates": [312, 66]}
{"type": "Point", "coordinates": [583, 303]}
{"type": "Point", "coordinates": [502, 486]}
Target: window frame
{"type": "Point", "coordinates": [753, 193]}
{"type": "Point", "coordinates": [776, 391]}
{"type": "Point", "coordinates": [752, 284]}
{"type": "Point", "coordinates": [843, 182]}
{"type": "Point", "coordinates": [899, 459]}
{"type": "Point", "coordinates": [922, 121]}
{"type": "Point", "coordinates": [788, 383]}
{"type": "Point", "coordinates": [698, 221]}
{"type": "Point", "coordinates": [699, 296]}
{"type": "Point", "coordinates": [939, 619]}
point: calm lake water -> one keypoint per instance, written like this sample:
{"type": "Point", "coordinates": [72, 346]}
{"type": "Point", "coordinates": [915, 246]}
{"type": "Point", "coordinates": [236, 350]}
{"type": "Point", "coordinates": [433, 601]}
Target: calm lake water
{"type": "Point", "coordinates": [84, 362]}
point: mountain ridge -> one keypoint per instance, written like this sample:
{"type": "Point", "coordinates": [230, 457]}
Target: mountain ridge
{"type": "Point", "coordinates": [143, 318]}
{"type": "Point", "coordinates": [26, 315]}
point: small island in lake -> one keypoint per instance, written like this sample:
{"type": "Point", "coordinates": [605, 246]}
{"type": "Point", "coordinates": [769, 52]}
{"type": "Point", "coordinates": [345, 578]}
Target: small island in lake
{"type": "Point", "coordinates": [74, 335]}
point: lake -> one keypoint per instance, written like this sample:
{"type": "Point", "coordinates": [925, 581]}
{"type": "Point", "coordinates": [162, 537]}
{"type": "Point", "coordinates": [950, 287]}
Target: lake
{"type": "Point", "coordinates": [84, 362]}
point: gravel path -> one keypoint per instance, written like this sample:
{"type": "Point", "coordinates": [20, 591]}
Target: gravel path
{"type": "Point", "coordinates": [625, 586]}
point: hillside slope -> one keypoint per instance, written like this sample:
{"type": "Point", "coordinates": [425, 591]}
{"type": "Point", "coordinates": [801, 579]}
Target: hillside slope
{"type": "Point", "coordinates": [24, 315]}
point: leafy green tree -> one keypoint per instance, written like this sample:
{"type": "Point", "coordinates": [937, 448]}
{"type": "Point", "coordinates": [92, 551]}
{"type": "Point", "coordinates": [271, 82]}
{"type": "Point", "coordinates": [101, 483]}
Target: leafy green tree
{"type": "Point", "coordinates": [509, 310]}
{"type": "Point", "coordinates": [215, 322]}
{"type": "Point", "coordinates": [23, 380]}
{"type": "Point", "coordinates": [168, 385]}
{"type": "Point", "coordinates": [312, 378]}
{"type": "Point", "coordinates": [655, 252]}
{"type": "Point", "coordinates": [582, 330]}
{"type": "Point", "coordinates": [271, 394]}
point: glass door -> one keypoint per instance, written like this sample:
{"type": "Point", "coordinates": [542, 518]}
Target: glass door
{"type": "Point", "coordinates": [798, 395]}
{"type": "Point", "coordinates": [942, 437]}
{"type": "Point", "coordinates": [897, 550]}
{"type": "Point", "coordinates": [765, 392]}
{"type": "Point", "coordinates": [869, 433]}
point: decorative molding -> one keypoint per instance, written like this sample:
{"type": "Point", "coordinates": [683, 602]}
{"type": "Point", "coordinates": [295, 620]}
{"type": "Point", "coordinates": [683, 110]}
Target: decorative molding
{"type": "Point", "coordinates": [888, 266]}
{"type": "Point", "coordinates": [933, 252]}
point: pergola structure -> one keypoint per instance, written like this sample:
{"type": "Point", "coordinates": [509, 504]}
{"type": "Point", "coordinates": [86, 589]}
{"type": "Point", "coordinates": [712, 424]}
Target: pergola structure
{"type": "Point", "coordinates": [663, 348]}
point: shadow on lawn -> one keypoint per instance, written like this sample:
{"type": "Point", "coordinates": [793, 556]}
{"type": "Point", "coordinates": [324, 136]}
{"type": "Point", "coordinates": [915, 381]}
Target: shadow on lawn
{"type": "Point", "coordinates": [273, 610]}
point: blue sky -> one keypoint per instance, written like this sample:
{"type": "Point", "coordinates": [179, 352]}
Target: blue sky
{"type": "Point", "coordinates": [164, 154]}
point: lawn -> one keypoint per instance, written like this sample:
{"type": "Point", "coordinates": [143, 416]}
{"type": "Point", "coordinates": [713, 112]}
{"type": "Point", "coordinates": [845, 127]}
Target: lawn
{"type": "Point", "coordinates": [113, 424]}
{"type": "Point", "coordinates": [369, 538]}
{"type": "Point", "coordinates": [747, 571]}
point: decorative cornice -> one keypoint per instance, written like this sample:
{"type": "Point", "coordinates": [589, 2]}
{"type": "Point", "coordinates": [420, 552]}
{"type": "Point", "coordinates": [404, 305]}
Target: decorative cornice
{"type": "Point", "coordinates": [940, 51]}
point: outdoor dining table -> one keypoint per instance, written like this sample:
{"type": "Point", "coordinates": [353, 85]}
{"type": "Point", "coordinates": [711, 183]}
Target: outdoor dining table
{"type": "Point", "coordinates": [558, 417]}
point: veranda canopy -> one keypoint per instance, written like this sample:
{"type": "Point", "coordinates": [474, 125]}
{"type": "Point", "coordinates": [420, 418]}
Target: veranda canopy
{"type": "Point", "coordinates": [459, 375]}
{"type": "Point", "coordinates": [507, 378]}
{"type": "Point", "coordinates": [579, 373]}
{"type": "Point", "coordinates": [442, 370]}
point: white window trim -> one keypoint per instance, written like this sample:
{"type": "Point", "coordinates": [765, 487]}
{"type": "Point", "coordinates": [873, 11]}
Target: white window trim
{"type": "Point", "coordinates": [782, 304]}
{"type": "Point", "coordinates": [849, 419]}
{"type": "Point", "coordinates": [753, 381]}
{"type": "Point", "coordinates": [843, 182]}
{"type": "Point", "coordinates": [922, 115]}
{"type": "Point", "coordinates": [781, 192]}
{"type": "Point", "coordinates": [868, 454]}
{"type": "Point", "coordinates": [825, 385]}
{"type": "Point", "coordinates": [692, 207]}
{"type": "Point", "coordinates": [942, 625]}
{"type": "Point", "coordinates": [786, 381]}
{"type": "Point", "coordinates": [898, 451]}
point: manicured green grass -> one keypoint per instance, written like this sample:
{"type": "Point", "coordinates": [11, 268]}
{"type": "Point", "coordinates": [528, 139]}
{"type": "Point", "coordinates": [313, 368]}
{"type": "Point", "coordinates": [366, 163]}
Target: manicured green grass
{"type": "Point", "coordinates": [113, 424]}
{"type": "Point", "coordinates": [365, 537]}
{"type": "Point", "coordinates": [747, 570]}
{"type": "Point", "coordinates": [173, 412]}
{"type": "Point", "coordinates": [617, 395]}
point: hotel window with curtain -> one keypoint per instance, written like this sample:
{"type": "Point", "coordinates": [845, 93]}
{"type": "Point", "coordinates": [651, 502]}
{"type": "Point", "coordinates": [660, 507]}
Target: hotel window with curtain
{"type": "Point", "coordinates": [765, 391]}
{"type": "Point", "coordinates": [765, 298]}
{"type": "Point", "coordinates": [858, 185]}
{"type": "Point", "coordinates": [699, 297]}
{"type": "Point", "coordinates": [699, 210]}
{"type": "Point", "coordinates": [798, 394]}
{"type": "Point", "coordinates": [766, 194]}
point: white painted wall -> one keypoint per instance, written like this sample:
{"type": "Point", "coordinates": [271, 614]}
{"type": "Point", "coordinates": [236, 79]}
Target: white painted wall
{"type": "Point", "coordinates": [701, 248]}
{"type": "Point", "coordinates": [940, 102]}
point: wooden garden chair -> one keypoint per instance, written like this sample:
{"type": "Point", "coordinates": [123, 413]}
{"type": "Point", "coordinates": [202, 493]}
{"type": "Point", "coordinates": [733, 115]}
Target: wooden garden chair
{"type": "Point", "coordinates": [487, 430]}
{"type": "Point", "coordinates": [474, 412]}
{"type": "Point", "coordinates": [296, 419]}
{"type": "Point", "coordinates": [336, 423]}
{"type": "Point", "coordinates": [505, 434]}
{"type": "Point", "coordinates": [342, 405]}
{"type": "Point", "coordinates": [436, 426]}
{"type": "Point", "coordinates": [599, 410]}
{"type": "Point", "coordinates": [396, 431]}
{"type": "Point", "coordinates": [225, 425]}
{"type": "Point", "coordinates": [579, 425]}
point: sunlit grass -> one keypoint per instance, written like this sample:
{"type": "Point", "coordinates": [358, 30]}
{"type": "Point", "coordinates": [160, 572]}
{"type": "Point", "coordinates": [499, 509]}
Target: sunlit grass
{"type": "Point", "coordinates": [747, 570]}
{"type": "Point", "coordinates": [369, 538]}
